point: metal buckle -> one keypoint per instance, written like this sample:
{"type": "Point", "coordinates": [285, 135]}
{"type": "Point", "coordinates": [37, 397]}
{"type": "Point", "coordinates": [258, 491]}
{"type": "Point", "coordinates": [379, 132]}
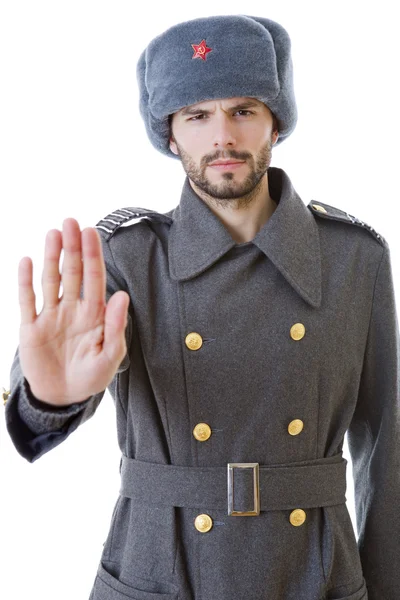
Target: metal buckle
{"type": "Point", "coordinates": [256, 489]}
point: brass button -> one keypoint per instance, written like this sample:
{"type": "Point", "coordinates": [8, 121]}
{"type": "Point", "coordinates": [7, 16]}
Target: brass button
{"type": "Point", "coordinates": [193, 341]}
{"type": "Point", "coordinates": [203, 523]}
{"type": "Point", "coordinates": [5, 395]}
{"type": "Point", "coordinates": [295, 426]}
{"type": "Point", "coordinates": [320, 208]}
{"type": "Point", "coordinates": [297, 517]}
{"type": "Point", "coordinates": [202, 432]}
{"type": "Point", "coordinates": [297, 331]}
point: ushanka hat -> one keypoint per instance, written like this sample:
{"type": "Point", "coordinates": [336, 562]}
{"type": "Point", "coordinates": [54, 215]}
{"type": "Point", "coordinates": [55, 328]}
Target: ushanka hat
{"type": "Point", "coordinates": [215, 57]}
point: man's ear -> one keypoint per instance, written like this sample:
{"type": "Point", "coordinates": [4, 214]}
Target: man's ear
{"type": "Point", "coordinates": [173, 146]}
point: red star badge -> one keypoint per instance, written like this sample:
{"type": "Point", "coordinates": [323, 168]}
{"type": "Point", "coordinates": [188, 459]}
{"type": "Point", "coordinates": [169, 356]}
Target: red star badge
{"type": "Point", "coordinates": [200, 50]}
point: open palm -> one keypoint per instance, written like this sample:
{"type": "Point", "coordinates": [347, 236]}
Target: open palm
{"type": "Point", "coordinates": [73, 348]}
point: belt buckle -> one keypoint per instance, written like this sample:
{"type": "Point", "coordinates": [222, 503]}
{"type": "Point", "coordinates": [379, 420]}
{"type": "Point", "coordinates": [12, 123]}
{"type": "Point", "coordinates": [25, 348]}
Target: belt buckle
{"type": "Point", "coordinates": [256, 489]}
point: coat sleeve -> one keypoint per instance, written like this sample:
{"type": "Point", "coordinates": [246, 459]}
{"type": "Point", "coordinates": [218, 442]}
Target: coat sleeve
{"type": "Point", "coordinates": [36, 427]}
{"type": "Point", "coordinates": [374, 444]}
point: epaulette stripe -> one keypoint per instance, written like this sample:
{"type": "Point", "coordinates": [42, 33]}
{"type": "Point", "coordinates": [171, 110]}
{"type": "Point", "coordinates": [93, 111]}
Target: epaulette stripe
{"type": "Point", "coordinates": [128, 211]}
{"type": "Point", "coordinates": [359, 222]}
{"type": "Point", "coordinates": [105, 228]}
{"type": "Point", "coordinates": [111, 221]}
{"type": "Point", "coordinates": [114, 214]}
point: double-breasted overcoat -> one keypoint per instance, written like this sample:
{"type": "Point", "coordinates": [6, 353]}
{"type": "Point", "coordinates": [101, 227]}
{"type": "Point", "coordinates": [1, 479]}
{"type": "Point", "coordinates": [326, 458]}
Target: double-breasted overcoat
{"type": "Point", "coordinates": [247, 363]}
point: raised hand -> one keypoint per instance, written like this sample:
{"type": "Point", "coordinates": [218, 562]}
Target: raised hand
{"type": "Point", "coordinates": [73, 348]}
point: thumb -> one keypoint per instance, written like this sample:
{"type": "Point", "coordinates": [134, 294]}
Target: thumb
{"type": "Point", "coordinates": [115, 321]}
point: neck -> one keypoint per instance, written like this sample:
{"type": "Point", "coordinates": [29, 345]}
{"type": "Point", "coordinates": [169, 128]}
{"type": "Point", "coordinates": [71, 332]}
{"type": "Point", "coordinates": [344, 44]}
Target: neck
{"type": "Point", "coordinates": [243, 217]}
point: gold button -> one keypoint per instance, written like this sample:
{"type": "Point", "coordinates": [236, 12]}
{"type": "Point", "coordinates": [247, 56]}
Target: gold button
{"type": "Point", "coordinates": [297, 517]}
{"type": "Point", "coordinates": [202, 432]}
{"type": "Point", "coordinates": [297, 331]}
{"type": "Point", "coordinates": [320, 208]}
{"type": "Point", "coordinates": [203, 523]}
{"type": "Point", "coordinates": [193, 341]}
{"type": "Point", "coordinates": [5, 395]}
{"type": "Point", "coordinates": [295, 426]}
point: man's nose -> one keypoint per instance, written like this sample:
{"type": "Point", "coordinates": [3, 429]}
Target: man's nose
{"type": "Point", "coordinates": [223, 129]}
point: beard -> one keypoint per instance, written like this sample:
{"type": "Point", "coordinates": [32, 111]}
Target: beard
{"type": "Point", "coordinates": [229, 188]}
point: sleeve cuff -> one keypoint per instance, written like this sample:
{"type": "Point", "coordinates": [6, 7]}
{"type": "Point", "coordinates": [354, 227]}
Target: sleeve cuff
{"type": "Point", "coordinates": [42, 417]}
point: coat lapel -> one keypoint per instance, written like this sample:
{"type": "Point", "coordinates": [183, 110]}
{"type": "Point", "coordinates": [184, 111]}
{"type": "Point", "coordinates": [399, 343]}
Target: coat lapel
{"type": "Point", "coordinates": [289, 238]}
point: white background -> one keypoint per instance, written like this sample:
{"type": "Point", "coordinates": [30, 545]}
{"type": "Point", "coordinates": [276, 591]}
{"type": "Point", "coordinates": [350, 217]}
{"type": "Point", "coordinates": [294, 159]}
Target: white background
{"type": "Point", "coordinates": [73, 144]}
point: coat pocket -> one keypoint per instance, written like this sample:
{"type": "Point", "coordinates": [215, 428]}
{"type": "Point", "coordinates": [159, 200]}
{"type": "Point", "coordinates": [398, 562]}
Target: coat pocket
{"type": "Point", "coordinates": [142, 539]}
{"type": "Point", "coordinates": [336, 594]}
{"type": "Point", "coordinates": [341, 557]}
{"type": "Point", "coordinates": [107, 587]}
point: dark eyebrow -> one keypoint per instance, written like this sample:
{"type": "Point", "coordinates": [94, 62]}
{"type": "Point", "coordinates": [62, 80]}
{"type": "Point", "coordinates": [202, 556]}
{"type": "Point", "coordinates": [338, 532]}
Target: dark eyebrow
{"type": "Point", "coordinates": [196, 111]}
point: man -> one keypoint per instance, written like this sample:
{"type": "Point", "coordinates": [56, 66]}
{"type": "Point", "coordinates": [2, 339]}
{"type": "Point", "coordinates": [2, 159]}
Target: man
{"type": "Point", "coordinates": [233, 183]}
{"type": "Point", "coordinates": [244, 334]}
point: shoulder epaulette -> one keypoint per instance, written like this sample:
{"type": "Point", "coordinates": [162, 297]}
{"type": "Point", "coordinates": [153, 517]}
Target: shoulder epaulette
{"type": "Point", "coordinates": [331, 212]}
{"type": "Point", "coordinates": [121, 216]}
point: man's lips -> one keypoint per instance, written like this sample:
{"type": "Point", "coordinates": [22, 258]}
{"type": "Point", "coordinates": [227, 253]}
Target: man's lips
{"type": "Point", "coordinates": [227, 166]}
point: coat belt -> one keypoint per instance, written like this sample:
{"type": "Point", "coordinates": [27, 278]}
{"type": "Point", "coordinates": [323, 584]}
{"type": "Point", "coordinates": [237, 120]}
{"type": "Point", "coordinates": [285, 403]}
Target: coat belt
{"type": "Point", "coordinates": [306, 484]}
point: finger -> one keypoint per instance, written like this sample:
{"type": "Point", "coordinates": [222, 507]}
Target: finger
{"type": "Point", "coordinates": [51, 272]}
{"type": "Point", "coordinates": [72, 268]}
{"type": "Point", "coordinates": [116, 316]}
{"type": "Point", "coordinates": [26, 294]}
{"type": "Point", "coordinates": [94, 270]}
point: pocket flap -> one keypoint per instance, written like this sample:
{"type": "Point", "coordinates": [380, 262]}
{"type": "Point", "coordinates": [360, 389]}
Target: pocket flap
{"type": "Point", "coordinates": [107, 587]}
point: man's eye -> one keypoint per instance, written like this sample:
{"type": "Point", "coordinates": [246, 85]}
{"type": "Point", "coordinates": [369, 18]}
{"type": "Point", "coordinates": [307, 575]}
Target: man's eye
{"type": "Point", "coordinates": [242, 110]}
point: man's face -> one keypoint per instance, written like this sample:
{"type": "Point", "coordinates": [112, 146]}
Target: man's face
{"type": "Point", "coordinates": [238, 128]}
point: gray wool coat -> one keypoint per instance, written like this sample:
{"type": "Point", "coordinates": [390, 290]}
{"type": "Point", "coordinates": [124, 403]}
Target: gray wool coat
{"type": "Point", "coordinates": [262, 354]}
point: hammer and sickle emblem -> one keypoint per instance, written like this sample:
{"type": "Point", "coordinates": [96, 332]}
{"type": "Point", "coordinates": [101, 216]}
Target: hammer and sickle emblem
{"type": "Point", "coordinates": [201, 50]}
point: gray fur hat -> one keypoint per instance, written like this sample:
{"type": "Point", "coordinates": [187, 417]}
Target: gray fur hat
{"type": "Point", "coordinates": [215, 57]}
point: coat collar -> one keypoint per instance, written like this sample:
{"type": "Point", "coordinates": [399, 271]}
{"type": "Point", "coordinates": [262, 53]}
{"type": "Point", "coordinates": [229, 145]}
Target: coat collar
{"type": "Point", "coordinates": [289, 238]}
